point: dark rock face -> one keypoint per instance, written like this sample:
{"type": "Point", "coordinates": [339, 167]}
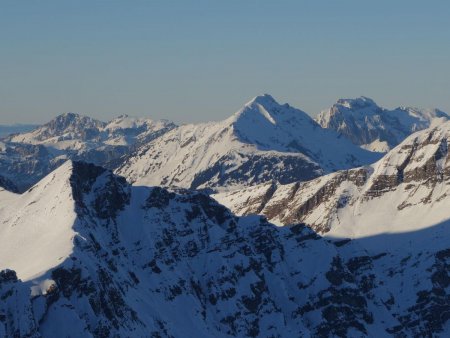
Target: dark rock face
{"type": "Point", "coordinates": [8, 276]}
{"type": "Point", "coordinates": [324, 194]}
{"type": "Point", "coordinates": [258, 169]}
{"type": "Point", "coordinates": [8, 185]}
{"type": "Point", "coordinates": [109, 197]}
{"type": "Point", "coordinates": [16, 313]}
{"type": "Point", "coordinates": [431, 312]}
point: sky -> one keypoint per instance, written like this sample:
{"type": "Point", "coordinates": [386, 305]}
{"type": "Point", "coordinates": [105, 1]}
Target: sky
{"type": "Point", "coordinates": [191, 61]}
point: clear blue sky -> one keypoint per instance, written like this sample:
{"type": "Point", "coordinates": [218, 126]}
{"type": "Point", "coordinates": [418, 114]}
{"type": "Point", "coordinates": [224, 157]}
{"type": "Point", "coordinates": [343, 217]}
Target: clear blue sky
{"type": "Point", "coordinates": [201, 60]}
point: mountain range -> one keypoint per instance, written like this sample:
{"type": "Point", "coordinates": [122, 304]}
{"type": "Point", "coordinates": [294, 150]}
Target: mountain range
{"type": "Point", "coordinates": [407, 189]}
{"type": "Point", "coordinates": [266, 224]}
{"type": "Point", "coordinates": [263, 141]}
{"type": "Point", "coordinates": [27, 157]}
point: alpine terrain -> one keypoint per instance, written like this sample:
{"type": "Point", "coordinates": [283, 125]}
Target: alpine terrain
{"type": "Point", "coordinates": [374, 128]}
{"type": "Point", "coordinates": [408, 189]}
{"type": "Point", "coordinates": [261, 225]}
{"type": "Point", "coordinates": [263, 141]}
{"type": "Point", "coordinates": [27, 157]}
{"type": "Point", "coordinates": [84, 254]}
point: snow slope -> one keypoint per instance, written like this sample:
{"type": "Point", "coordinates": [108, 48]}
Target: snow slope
{"type": "Point", "coordinates": [374, 128]}
{"type": "Point", "coordinates": [263, 141]}
{"type": "Point", "coordinates": [37, 226]}
{"type": "Point", "coordinates": [140, 261]}
{"type": "Point", "coordinates": [407, 190]}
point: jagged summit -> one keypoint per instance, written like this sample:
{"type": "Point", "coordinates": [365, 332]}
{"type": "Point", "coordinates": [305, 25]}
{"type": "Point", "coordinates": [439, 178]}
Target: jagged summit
{"type": "Point", "coordinates": [67, 126]}
{"type": "Point", "coordinates": [265, 109]}
{"type": "Point", "coordinates": [264, 99]}
{"type": "Point", "coordinates": [66, 120]}
{"type": "Point", "coordinates": [359, 102]}
{"type": "Point", "coordinates": [375, 128]}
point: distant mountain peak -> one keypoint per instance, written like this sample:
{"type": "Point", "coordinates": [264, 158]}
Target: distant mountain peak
{"type": "Point", "coordinates": [264, 108]}
{"type": "Point", "coordinates": [264, 99]}
{"type": "Point", "coordinates": [368, 125]}
{"type": "Point", "coordinates": [67, 119]}
{"type": "Point", "coordinates": [360, 102]}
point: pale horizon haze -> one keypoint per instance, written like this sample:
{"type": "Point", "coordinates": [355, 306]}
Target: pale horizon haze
{"type": "Point", "coordinates": [191, 61]}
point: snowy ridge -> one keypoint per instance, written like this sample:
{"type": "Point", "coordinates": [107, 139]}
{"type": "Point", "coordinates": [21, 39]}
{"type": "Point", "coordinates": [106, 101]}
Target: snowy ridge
{"type": "Point", "coordinates": [374, 128]}
{"type": "Point", "coordinates": [71, 131]}
{"type": "Point", "coordinates": [27, 157]}
{"type": "Point", "coordinates": [140, 261]}
{"type": "Point", "coordinates": [36, 232]}
{"type": "Point", "coordinates": [263, 141]}
{"type": "Point", "coordinates": [407, 190]}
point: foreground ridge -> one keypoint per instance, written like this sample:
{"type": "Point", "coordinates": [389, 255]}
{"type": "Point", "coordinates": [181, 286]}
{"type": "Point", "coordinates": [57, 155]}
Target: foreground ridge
{"type": "Point", "coordinates": [141, 261]}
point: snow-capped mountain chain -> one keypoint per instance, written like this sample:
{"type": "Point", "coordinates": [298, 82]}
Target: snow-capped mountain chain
{"type": "Point", "coordinates": [107, 259]}
{"type": "Point", "coordinates": [374, 128]}
{"type": "Point", "coordinates": [72, 131]}
{"type": "Point", "coordinates": [263, 141]}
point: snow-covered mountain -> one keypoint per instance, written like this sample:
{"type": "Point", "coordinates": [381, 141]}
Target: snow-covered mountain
{"type": "Point", "coordinates": [95, 257]}
{"type": "Point", "coordinates": [25, 164]}
{"type": "Point", "coordinates": [263, 141]}
{"type": "Point", "coordinates": [27, 157]}
{"type": "Point", "coordinates": [408, 189]}
{"type": "Point", "coordinates": [74, 132]}
{"type": "Point", "coordinates": [374, 128]}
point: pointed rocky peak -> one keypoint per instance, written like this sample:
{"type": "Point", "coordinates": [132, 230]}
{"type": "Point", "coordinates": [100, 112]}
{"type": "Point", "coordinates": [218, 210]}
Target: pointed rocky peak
{"type": "Point", "coordinates": [264, 100]}
{"type": "Point", "coordinates": [264, 110]}
{"type": "Point", "coordinates": [366, 124]}
{"type": "Point", "coordinates": [348, 108]}
{"type": "Point", "coordinates": [73, 121]}
{"type": "Point", "coordinates": [103, 191]}
{"type": "Point", "coordinates": [67, 125]}
{"type": "Point", "coordinates": [357, 103]}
